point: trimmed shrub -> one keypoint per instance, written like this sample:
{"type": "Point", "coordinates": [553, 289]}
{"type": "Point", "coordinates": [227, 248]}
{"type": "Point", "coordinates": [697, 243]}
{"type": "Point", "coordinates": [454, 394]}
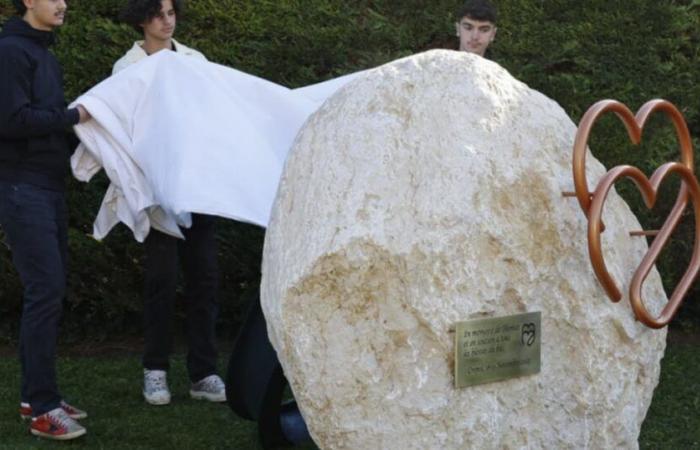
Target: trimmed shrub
{"type": "Point", "coordinates": [575, 52]}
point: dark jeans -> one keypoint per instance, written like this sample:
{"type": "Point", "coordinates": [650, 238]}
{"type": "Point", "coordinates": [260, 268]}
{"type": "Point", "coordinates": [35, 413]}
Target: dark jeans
{"type": "Point", "coordinates": [255, 382]}
{"type": "Point", "coordinates": [35, 224]}
{"type": "Point", "coordinates": [197, 252]}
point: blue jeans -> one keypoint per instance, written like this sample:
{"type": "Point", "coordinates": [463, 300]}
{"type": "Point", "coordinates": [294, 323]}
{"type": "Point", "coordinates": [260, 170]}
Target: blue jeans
{"type": "Point", "coordinates": [35, 222]}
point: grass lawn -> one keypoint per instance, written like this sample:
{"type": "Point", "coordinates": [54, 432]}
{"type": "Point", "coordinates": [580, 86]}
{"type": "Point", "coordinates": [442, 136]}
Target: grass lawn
{"type": "Point", "coordinates": [108, 388]}
{"type": "Point", "coordinates": [673, 420]}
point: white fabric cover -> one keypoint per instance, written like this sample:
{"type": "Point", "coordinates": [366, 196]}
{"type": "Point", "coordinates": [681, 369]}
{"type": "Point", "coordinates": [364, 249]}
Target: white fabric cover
{"type": "Point", "coordinates": [178, 135]}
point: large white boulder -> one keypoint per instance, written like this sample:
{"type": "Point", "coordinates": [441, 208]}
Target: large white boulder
{"type": "Point", "coordinates": [427, 192]}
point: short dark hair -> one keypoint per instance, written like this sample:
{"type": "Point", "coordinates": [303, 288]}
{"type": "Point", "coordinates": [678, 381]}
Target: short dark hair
{"type": "Point", "coordinates": [137, 12]}
{"type": "Point", "coordinates": [482, 10]}
{"type": "Point", "coordinates": [19, 7]}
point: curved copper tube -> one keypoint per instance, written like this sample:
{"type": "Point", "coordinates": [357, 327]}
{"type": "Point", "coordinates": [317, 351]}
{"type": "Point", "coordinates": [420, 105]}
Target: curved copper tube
{"type": "Point", "coordinates": [595, 212]}
{"type": "Point", "coordinates": [634, 125]}
{"type": "Point", "coordinates": [581, 142]}
{"type": "Point", "coordinates": [640, 275]}
{"type": "Point", "coordinates": [649, 189]}
{"type": "Point", "coordinates": [592, 204]}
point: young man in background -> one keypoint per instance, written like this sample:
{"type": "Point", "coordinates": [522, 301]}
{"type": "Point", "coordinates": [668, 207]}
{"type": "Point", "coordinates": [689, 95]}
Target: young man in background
{"type": "Point", "coordinates": [476, 26]}
{"type": "Point", "coordinates": [156, 20]}
{"type": "Point", "coordinates": [34, 160]}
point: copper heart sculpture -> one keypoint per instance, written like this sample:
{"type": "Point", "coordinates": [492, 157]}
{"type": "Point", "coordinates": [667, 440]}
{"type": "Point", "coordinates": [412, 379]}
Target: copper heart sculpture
{"type": "Point", "coordinates": [592, 204]}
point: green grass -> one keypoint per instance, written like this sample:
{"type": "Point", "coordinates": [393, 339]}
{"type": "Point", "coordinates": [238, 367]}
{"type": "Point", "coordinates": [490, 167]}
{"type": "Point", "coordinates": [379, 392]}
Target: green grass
{"type": "Point", "coordinates": [108, 387]}
{"type": "Point", "coordinates": [673, 420]}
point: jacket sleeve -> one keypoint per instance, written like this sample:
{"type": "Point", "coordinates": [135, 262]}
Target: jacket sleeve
{"type": "Point", "coordinates": [18, 118]}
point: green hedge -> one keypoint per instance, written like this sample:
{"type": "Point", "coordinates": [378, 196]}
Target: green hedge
{"type": "Point", "coordinates": [575, 52]}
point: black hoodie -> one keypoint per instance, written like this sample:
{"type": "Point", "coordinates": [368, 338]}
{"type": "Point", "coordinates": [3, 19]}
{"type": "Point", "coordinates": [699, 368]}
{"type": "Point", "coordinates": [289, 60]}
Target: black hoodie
{"type": "Point", "coordinates": [33, 114]}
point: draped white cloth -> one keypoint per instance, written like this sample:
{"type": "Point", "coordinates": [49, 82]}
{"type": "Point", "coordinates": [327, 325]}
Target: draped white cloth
{"type": "Point", "coordinates": [177, 136]}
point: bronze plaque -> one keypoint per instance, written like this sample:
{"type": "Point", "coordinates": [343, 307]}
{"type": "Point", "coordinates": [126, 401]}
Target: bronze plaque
{"type": "Point", "coordinates": [497, 349]}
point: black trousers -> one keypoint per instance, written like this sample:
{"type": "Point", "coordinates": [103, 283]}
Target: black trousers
{"type": "Point", "coordinates": [197, 254]}
{"type": "Point", "coordinates": [255, 381]}
{"type": "Point", "coordinates": [35, 222]}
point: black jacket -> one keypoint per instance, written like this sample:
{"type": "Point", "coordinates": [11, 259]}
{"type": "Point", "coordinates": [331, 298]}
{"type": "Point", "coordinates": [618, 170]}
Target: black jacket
{"type": "Point", "coordinates": [33, 114]}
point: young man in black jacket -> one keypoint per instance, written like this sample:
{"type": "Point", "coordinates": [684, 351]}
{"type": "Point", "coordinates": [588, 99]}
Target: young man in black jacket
{"type": "Point", "coordinates": [34, 160]}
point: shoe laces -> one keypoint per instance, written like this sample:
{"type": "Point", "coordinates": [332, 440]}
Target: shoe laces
{"type": "Point", "coordinates": [60, 418]}
{"type": "Point", "coordinates": [68, 408]}
{"type": "Point", "coordinates": [212, 383]}
{"type": "Point", "coordinates": [157, 381]}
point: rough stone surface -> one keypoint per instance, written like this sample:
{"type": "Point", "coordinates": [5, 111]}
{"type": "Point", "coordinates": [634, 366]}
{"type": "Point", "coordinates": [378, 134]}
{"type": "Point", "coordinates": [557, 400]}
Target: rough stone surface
{"type": "Point", "coordinates": [427, 192]}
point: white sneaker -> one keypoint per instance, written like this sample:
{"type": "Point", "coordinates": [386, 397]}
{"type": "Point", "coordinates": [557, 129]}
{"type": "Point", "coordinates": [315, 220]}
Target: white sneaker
{"type": "Point", "coordinates": [155, 387]}
{"type": "Point", "coordinates": [211, 388]}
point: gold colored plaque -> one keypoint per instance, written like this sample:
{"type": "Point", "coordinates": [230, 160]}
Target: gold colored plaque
{"type": "Point", "coordinates": [496, 349]}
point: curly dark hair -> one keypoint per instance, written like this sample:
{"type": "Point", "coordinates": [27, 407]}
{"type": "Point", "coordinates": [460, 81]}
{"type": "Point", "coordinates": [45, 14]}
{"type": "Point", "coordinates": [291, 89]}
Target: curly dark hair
{"type": "Point", "coordinates": [482, 10]}
{"type": "Point", "coordinates": [137, 12]}
{"type": "Point", "coordinates": [19, 7]}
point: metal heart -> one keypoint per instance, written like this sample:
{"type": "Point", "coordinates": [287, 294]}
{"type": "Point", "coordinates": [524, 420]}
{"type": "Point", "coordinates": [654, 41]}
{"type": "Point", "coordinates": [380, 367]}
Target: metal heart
{"type": "Point", "coordinates": [635, 125]}
{"type": "Point", "coordinates": [649, 189]}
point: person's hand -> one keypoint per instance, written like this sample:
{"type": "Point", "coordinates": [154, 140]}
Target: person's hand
{"type": "Point", "coordinates": [84, 114]}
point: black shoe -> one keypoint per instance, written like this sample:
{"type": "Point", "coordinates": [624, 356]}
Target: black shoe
{"type": "Point", "coordinates": [287, 429]}
{"type": "Point", "coordinates": [293, 425]}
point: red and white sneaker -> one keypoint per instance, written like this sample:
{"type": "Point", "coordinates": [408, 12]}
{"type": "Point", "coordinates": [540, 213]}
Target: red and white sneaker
{"type": "Point", "coordinates": [57, 425]}
{"type": "Point", "coordinates": [25, 411]}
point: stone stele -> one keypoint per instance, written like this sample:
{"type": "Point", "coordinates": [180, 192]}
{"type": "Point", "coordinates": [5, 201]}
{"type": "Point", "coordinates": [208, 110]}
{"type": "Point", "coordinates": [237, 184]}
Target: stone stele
{"type": "Point", "coordinates": [426, 192]}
